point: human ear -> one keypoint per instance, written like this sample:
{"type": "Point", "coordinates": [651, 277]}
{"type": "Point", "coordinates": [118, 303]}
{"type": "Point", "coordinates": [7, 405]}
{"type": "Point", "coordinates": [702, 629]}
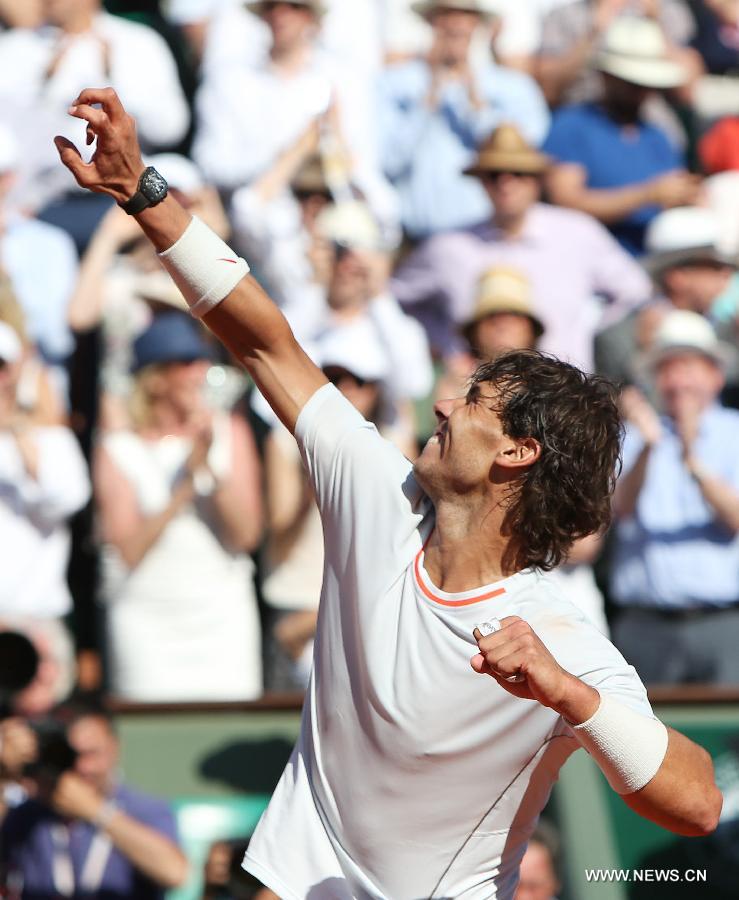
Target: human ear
{"type": "Point", "coordinates": [521, 453]}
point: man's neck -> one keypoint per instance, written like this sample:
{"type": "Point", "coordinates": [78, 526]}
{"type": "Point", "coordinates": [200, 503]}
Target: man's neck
{"type": "Point", "coordinates": [291, 59]}
{"type": "Point", "coordinates": [467, 549]}
{"type": "Point", "coordinates": [511, 226]}
{"type": "Point", "coordinates": [80, 23]}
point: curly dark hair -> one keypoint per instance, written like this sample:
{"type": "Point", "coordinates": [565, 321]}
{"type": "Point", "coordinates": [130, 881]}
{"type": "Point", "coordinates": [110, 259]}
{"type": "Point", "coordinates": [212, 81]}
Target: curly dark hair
{"type": "Point", "coordinates": [566, 494]}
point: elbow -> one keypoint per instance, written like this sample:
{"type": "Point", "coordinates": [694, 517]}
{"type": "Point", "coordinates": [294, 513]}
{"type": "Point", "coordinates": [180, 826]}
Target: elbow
{"type": "Point", "coordinates": [176, 872]}
{"type": "Point", "coordinates": [708, 814]}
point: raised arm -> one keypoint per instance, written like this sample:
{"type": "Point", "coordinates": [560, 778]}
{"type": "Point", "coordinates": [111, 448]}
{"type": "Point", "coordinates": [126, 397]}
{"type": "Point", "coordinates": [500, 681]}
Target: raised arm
{"type": "Point", "coordinates": [246, 320]}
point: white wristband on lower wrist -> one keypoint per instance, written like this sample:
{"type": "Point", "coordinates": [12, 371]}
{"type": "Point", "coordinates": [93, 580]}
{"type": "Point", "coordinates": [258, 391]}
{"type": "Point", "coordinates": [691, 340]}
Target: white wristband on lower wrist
{"type": "Point", "coordinates": [203, 267]}
{"type": "Point", "coordinates": [628, 747]}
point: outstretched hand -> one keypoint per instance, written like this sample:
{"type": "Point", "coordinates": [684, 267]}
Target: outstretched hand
{"type": "Point", "coordinates": [116, 164]}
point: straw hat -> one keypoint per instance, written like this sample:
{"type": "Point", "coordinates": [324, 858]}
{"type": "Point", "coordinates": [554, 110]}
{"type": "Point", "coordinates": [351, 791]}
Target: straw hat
{"type": "Point", "coordinates": [318, 8]}
{"type": "Point", "coordinates": [503, 289]}
{"type": "Point", "coordinates": [683, 331]}
{"type": "Point", "coordinates": [635, 50]}
{"type": "Point", "coordinates": [507, 151]}
{"type": "Point", "coordinates": [426, 8]}
{"type": "Point", "coordinates": [311, 177]}
{"type": "Point", "coordinates": [684, 235]}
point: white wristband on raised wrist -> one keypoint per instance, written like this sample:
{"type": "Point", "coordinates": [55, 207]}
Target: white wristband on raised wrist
{"type": "Point", "coordinates": [105, 815]}
{"type": "Point", "coordinates": [628, 747]}
{"type": "Point", "coordinates": [203, 267]}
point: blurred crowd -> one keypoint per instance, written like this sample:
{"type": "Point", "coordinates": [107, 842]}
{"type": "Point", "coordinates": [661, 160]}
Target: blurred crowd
{"type": "Point", "coordinates": [420, 186]}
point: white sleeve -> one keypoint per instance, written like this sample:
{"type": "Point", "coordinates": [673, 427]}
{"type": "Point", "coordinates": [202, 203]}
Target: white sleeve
{"type": "Point", "coordinates": [369, 501]}
{"type": "Point", "coordinates": [63, 484]}
{"type": "Point", "coordinates": [583, 651]}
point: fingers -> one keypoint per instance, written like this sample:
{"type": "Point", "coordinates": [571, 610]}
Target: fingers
{"type": "Point", "coordinates": [71, 158]}
{"type": "Point", "coordinates": [501, 652]}
{"type": "Point", "coordinates": [107, 98]}
{"type": "Point", "coordinates": [98, 121]}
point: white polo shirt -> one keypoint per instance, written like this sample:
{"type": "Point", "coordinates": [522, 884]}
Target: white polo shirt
{"type": "Point", "coordinates": [413, 777]}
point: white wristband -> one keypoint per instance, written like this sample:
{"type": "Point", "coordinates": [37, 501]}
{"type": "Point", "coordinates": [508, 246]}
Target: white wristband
{"type": "Point", "coordinates": [628, 747]}
{"type": "Point", "coordinates": [203, 267]}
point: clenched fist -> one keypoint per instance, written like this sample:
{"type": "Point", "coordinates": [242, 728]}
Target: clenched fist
{"type": "Point", "coordinates": [516, 650]}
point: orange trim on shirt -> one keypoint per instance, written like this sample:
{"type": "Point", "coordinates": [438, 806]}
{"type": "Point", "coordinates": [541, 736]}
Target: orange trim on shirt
{"type": "Point", "coordinates": [468, 601]}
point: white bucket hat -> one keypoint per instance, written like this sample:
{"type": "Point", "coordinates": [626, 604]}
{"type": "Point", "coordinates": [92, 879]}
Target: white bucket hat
{"type": "Point", "coordinates": [683, 331]}
{"type": "Point", "coordinates": [684, 235]}
{"type": "Point", "coordinates": [355, 347]}
{"type": "Point", "coordinates": [350, 224]}
{"type": "Point", "coordinates": [178, 171]}
{"type": "Point", "coordinates": [635, 50]}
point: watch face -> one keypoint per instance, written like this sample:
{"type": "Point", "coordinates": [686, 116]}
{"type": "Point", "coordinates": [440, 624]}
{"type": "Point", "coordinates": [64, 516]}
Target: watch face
{"type": "Point", "coordinates": [153, 186]}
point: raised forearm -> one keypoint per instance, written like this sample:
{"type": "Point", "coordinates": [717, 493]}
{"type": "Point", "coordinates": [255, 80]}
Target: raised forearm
{"type": "Point", "coordinates": [630, 485]}
{"type": "Point", "coordinates": [153, 854]}
{"type": "Point", "coordinates": [242, 526]}
{"type": "Point", "coordinates": [607, 205]}
{"type": "Point", "coordinates": [135, 547]}
{"type": "Point", "coordinates": [720, 496]}
{"type": "Point", "coordinates": [556, 73]}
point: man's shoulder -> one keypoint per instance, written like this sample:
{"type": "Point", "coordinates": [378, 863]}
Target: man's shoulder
{"type": "Point", "coordinates": [119, 27]}
{"type": "Point", "coordinates": [559, 218]}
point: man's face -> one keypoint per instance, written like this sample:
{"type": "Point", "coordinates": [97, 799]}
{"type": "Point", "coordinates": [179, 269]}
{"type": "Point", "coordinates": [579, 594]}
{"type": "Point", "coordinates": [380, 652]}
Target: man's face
{"type": "Point", "coordinates": [697, 286]}
{"type": "Point", "coordinates": [289, 23]}
{"type": "Point", "coordinates": [537, 878]}
{"type": "Point", "coordinates": [512, 194]}
{"type": "Point", "coordinates": [459, 456]}
{"type": "Point", "coordinates": [688, 381]}
{"type": "Point", "coordinates": [97, 751]}
{"type": "Point", "coordinates": [623, 97]}
{"type": "Point", "coordinates": [349, 286]}
{"type": "Point", "coordinates": [453, 31]}
{"type": "Point", "coordinates": [502, 331]}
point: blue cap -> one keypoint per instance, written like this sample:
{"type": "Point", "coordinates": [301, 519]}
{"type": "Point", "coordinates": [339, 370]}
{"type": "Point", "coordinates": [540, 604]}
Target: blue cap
{"type": "Point", "coordinates": [171, 337]}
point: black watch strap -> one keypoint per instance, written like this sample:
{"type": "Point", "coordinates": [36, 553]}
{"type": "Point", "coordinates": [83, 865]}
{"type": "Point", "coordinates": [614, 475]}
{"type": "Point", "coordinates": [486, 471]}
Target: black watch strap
{"type": "Point", "coordinates": [135, 204]}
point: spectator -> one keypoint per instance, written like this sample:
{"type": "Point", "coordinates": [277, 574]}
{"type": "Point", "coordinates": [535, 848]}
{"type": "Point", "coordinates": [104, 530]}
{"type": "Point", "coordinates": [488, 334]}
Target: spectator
{"type": "Point", "coordinates": [42, 290]}
{"type": "Point", "coordinates": [437, 109]}
{"type": "Point", "coordinates": [567, 256]}
{"type": "Point", "coordinates": [284, 92]}
{"type": "Point", "coordinates": [538, 877]}
{"type": "Point", "coordinates": [180, 510]}
{"type": "Point", "coordinates": [37, 397]}
{"type": "Point", "coordinates": [85, 834]}
{"type": "Point", "coordinates": [43, 481]}
{"type": "Point", "coordinates": [676, 553]}
{"type": "Point", "coordinates": [612, 163]}
{"type": "Point", "coordinates": [572, 34]}
{"type": "Point", "coordinates": [690, 272]}
{"type": "Point", "coordinates": [225, 879]}
{"type": "Point", "coordinates": [45, 68]}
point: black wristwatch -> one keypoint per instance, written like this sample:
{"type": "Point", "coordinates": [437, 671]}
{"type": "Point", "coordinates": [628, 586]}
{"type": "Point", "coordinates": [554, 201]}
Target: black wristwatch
{"type": "Point", "coordinates": [152, 189]}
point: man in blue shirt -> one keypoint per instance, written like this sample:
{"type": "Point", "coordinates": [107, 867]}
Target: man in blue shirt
{"type": "Point", "coordinates": [85, 835]}
{"type": "Point", "coordinates": [675, 571]}
{"type": "Point", "coordinates": [436, 111]}
{"type": "Point", "coordinates": [613, 164]}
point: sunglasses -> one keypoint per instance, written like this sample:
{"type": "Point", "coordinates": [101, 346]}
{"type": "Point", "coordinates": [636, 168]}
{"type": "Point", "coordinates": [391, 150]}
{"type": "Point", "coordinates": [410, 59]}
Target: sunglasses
{"type": "Point", "coordinates": [493, 177]}
{"type": "Point", "coordinates": [269, 5]}
{"type": "Point", "coordinates": [336, 375]}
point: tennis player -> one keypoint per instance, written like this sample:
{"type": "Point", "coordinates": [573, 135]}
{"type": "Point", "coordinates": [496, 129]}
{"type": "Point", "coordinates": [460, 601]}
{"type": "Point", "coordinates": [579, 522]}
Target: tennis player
{"type": "Point", "coordinates": [451, 680]}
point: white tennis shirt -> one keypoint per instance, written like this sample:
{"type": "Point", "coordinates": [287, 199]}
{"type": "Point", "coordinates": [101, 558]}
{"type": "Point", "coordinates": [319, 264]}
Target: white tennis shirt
{"type": "Point", "coordinates": [414, 777]}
